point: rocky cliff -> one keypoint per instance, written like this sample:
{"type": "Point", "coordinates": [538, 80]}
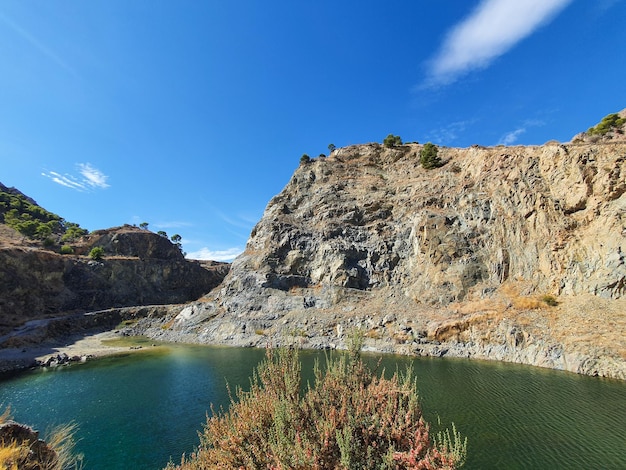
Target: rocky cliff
{"type": "Point", "coordinates": [138, 268]}
{"type": "Point", "coordinates": [511, 253]}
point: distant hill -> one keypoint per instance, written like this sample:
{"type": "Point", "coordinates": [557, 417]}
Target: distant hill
{"type": "Point", "coordinates": [46, 268]}
{"type": "Point", "coordinates": [24, 215]}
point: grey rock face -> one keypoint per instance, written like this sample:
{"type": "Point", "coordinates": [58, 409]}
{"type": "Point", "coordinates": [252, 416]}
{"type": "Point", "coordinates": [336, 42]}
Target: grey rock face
{"type": "Point", "coordinates": [371, 217]}
{"type": "Point", "coordinates": [368, 231]}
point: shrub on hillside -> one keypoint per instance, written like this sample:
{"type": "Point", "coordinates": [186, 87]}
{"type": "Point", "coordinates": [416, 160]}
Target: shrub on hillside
{"type": "Point", "coordinates": [96, 253]}
{"type": "Point", "coordinates": [349, 418]}
{"type": "Point", "coordinates": [304, 159]}
{"type": "Point", "coordinates": [67, 250]}
{"type": "Point", "coordinates": [429, 157]}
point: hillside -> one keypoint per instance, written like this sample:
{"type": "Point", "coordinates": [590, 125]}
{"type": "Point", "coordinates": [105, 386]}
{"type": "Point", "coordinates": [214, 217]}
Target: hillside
{"type": "Point", "coordinates": [46, 270]}
{"type": "Point", "coordinates": [508, 253]}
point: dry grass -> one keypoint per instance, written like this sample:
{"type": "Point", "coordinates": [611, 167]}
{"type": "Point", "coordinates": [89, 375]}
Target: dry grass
{"type": "Point", "coordinates": [56, 453]}
{"type": "Point", "coordinates": [374, 333]}
{"type": "Point", "coordinates": [13, 455]}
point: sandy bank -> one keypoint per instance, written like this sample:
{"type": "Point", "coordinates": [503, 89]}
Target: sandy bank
{"type": "Point", "coordinates": [76, 349]}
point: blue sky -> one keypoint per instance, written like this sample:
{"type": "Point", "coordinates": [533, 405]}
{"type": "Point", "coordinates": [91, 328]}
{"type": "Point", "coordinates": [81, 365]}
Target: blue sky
{"type": "Point", "coordinates": [192, 115]}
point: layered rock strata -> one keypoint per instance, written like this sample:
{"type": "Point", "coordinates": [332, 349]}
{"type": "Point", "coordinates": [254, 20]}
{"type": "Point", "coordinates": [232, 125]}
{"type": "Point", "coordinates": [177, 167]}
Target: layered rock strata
{"type": "Point", "coordinates": [139, 268]}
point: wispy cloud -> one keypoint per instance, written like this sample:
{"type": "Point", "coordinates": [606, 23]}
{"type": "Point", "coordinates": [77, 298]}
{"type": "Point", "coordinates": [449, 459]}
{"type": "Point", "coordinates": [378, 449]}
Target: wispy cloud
{"type": "Point", "coordinates": [493, 28]}
{"type": "Point", "coordinates": [173, 224]}
{"type": "Point", "coordinates": [511, 137]}
{"type": "Point", "coordinates": [89, 178]}
{"type": "Point", "coordinates": [228, 254]}
{"type": "Point", "coordinates": [449, 133]}
{"type": "Point", "coordinates": [64, 180]}
{"type": "Point", "coordinates": [238, 221]}
{"type": "Point", "coordinates": [36, 43]}
{"type": "Point", "coordinates": [92, 176]}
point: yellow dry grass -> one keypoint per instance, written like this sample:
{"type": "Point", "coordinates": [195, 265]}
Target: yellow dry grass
{"type": "Point", "coordinates": [12, 454]}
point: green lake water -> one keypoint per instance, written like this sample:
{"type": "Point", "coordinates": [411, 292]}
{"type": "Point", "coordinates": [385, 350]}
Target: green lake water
{"type": "Point", "coordinates": [137, 411]}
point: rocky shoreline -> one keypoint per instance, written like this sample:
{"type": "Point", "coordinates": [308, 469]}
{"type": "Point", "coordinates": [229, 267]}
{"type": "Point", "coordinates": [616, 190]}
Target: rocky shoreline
{"type": "Point", "coordinates": [486, 334]}
{"type": "Point", "coordinates": [517, 337]}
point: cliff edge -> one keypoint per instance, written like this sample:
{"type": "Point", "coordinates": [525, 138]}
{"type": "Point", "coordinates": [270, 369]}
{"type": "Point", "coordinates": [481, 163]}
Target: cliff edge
{"type": "Point", "coordinates": [508, 253]}
{"type": "Point", "coordinates": [138, 267]}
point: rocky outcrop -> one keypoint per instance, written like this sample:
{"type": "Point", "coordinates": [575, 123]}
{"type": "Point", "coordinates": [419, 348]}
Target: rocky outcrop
{"type": "Point", "coordinates": [139, 268]}
{"type": "Point", "coordinates": [368, 238]}
{"type": "Point", "coordinates": [31, 452]}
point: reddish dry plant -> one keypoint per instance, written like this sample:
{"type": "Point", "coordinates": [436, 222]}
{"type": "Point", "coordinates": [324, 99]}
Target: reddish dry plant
{"type": "Point", "coordinates": [350, 418]}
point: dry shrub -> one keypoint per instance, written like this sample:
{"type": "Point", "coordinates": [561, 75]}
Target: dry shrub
{"type": "Point", "coordinates": [527, 303]}
{"type": "Point", "coordinates": [374, 333]}
{"type": "Point", "coordinates": [20, 448]}
{"type": "Point", "coordinates": [524, 302]}
{"type": "Point", "coordinates": [349, 418]}
{"type": "Point", "coordinates": [61, 440]}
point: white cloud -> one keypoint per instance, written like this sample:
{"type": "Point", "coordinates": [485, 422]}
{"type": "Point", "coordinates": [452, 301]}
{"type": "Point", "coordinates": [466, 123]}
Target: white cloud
{"type": "Point", "coordinates": [90, 178]}
{"type": "Point", "coordinates": [493, 28]}
{"type": "Point", "coordinates": [64, 180]}
{"type": "Point", "coordinates": [511, 137]}
{"type": "Point", "coordinates": [216, 255]}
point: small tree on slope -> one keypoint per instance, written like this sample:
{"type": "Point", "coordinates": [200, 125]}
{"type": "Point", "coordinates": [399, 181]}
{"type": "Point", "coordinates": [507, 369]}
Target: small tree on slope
{"type": "Point", "coordinates": [429, 157]}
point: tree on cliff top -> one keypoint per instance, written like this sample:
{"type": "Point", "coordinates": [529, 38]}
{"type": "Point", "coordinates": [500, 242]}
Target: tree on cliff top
{"type": "Point", "coordinates": [392, 140]}
{"type": "Point", "coordinates": [608, 123]}
{"type": "Point", "coordinates": [350, 418]}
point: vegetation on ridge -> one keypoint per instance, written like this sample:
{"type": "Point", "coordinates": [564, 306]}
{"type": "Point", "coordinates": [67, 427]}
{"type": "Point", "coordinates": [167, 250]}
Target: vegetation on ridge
{"type": "Point", "coordinates": [608, 123]}
{"type": "Point", "coordinates": [33, 221]}
{"type": "Point", "coordinates": [392, 140]}
{"type": "Point", "coordinates": [349, 418]}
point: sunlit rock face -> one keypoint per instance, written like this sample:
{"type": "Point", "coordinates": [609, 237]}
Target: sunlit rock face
{"type": "Point", "coordinates": [449, 261]}
{"type": "Point", "coordinates": [369, 217]}
{"type": "Point", "coordinates": [138, 268]}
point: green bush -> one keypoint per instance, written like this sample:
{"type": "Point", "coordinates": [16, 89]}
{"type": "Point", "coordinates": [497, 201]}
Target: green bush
{"type": "Point", "coordinates": [304, 159]}
{"type": "Point", "coordinates": [392, 140]}
{"type": "Point", "coordinates": [350, 418]}
{"type": "Point", "coordinates": [96, 253]}
{"type": "Point", "coordinates": [429, 157]}
{"type": "Point", "coordinates": [67, 250]}
{"type": "Point", "coordinates": [608, 123]}
{"type": "Point", "coordinates": [549, 300]}
{"type": "Point", "coordinates": [72, 232]}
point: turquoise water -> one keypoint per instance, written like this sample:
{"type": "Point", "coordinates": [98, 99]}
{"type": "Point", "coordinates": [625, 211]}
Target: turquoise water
{"type": "Point", "coordinates": [137, 411]}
